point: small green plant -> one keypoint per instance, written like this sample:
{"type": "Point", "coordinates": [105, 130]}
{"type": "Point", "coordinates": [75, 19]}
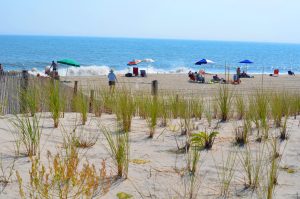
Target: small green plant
{"type": "Point", "coordinates": [28, 132]}
{"type": "Point", "coordinates": [203, 139]}
{"type": "Point", "coordinates": [224, 102]}
{"type": "Point", "coordinates": [118, 148]}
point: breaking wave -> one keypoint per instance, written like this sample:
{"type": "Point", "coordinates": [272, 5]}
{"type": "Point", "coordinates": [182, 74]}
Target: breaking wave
{"type": "Point", "coordinates": [104, 70]}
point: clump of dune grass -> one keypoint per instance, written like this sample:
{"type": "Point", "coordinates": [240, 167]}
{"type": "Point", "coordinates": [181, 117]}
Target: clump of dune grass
{"type": "Point", "coordinates": [258, 109]}
{"type": "Point", "coordinates": [253, 163]}
{"type": "Point", "coordinates": [54, 102]}
{"type": "Point", "coordinates": [294, 105]}
{"type": "Point", "coordinates": [185, 115]}
{"type": "Point", "coordinates": [226, 173]}
{"type": "Point", "coordinates": [164, 111]}
{"type": "Point", "coordinates": [197, 108]}
{"type": "Point", "coordinates": [32, 98]}
{"type": "Point", "coordinates": [242, 132]}
{"type": "Point", "coordinates": [208, 115]}
{"type": "Point", "coordinates": [118, 148]}
{"type": "Point", "coordinates": [277, 108]}
{"type": "Point", "coordinates": [141, 103]}
{"type": "Point", "coordinates": [98, 105]}
{"type": "Point", "coordinates": [125, 109]}
{"type": "Point", "coordinates": [81, 105]}
{"type": "Point", "coordinates": [28, 132]}
{"type": "Point", "coordinates": [108, 99]}
{"type": "Point", "coordinates": [190, 175]}
{"type": "Point", "coordinates": [193, 157]}
{"type": "Point", "coordinates": [83, 139]}
{"type": "Point", "coordinates": [240, 106]}
{"type": "Point", "coordinates": [224, 102]}
{"type": "Point", "coordinates": [203, 139]}
{"type": "Point", "coordinates": [268, 186]}
{"type": "Point", "coordinates": [152, 115]}
{"type": "Point", "coordinates": [174, 105]}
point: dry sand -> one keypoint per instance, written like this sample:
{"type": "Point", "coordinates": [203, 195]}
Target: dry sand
{"type": "Point", "coordinates": [179, 83]}
{"type": "Point", "coordinates": [161, 175]}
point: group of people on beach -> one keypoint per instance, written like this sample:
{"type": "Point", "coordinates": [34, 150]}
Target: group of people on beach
{"type": "Point", "coordinates": [199, 77]}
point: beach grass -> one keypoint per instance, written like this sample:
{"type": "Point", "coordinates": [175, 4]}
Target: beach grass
{"type": "Point", "coordinates": [118, 148]}
{"type": "Point", "coordinates": [54, 101]}
{"type": "Point", "coordinates": [28, 133]}
{"type": "Point", "coordinates": [224, 100]}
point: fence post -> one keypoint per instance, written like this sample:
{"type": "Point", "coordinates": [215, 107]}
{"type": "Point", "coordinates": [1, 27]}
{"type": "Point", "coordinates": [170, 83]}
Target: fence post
{"type": "Point", "coordinates": [75, 88]}
{"type": "Point", "coordinates": [154, 87]}
{"type": "Point", "coordinates": [91, 101]}
{"type": "Point", "coordinates": [24, 86]}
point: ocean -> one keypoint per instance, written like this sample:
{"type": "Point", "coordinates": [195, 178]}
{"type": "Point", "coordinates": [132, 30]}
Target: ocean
{"type": "Point", "coordinates": [98, 55]}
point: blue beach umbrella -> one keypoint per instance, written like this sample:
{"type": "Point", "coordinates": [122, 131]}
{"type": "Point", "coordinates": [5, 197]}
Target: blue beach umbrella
{"type": "Point", "coordinates": [246, 62]}
{"type": "Point", "coordinates": [204, 61]}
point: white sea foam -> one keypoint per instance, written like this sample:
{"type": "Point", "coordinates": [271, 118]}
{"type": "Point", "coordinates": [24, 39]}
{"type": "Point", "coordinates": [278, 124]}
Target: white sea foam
{"type": "Point", "coordinates": [104, 70]}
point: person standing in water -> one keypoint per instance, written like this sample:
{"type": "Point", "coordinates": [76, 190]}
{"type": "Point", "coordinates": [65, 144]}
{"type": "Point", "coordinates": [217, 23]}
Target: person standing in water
{"type": "Point", "coordinates": [54, 73]}
{"type": "Point", "coordinates": [112, 78]}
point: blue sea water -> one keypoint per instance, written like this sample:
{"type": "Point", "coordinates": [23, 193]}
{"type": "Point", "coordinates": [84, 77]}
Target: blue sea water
{"type": "Point", "coordinates": [97, 55]}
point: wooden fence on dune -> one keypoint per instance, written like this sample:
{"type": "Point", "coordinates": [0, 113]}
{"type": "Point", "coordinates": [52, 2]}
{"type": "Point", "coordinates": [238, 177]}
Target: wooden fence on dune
{"type": "Point", "coordinates": [9, 92]}
{"type": "Point", "coordinates": [12, 84]}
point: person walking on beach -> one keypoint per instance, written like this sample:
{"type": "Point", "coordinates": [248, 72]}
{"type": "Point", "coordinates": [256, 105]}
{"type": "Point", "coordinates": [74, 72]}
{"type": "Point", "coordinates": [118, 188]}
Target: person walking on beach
{"type": "Point", "coordinates": [112, 78]}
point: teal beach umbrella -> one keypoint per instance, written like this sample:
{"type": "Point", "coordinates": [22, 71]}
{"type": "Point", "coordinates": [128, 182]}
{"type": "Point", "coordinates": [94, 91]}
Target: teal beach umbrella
{"type": "Point", "coordinates": [69, 62]}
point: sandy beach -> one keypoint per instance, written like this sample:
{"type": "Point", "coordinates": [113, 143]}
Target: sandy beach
{"type": "Point", "coordinates": [179, 83]}
{"type": "Point", "coordinates": [156, 168]}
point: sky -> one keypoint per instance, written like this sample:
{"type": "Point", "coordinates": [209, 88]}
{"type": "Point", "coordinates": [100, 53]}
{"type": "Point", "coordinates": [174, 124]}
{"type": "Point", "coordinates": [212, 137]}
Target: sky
{"type": "Point", "coordinates": [226, 20]}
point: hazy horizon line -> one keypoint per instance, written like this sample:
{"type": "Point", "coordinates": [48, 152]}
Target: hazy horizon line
{"type": "Point", "coordinates": [151, 38]}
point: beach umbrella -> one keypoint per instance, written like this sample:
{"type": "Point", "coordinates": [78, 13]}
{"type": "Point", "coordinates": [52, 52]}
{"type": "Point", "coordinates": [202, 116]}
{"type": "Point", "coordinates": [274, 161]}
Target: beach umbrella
{"type": "Point", "coordinates": [246, 62]}
{"type": "Point", "coordinates": [134, 62]}
{"type": "Point", "coordinates": [204, 61]}
{"type": "Point", "coordinates": [69, 62]}
{"type": "Point", "coordinates": [148, 60]}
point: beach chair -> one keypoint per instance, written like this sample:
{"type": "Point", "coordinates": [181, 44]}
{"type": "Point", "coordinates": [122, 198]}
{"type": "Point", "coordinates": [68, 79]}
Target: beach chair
{"type": "Point", "coordinates": [143, 73]}
{"type": "Point", "coordinates": [291, 73]}
{"type": "Point", "coordinates": [192, 76]}
{"type": "Point", "coordinates": [135, 71]}
{"type": "Point", "coordinates": [275, 74]}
